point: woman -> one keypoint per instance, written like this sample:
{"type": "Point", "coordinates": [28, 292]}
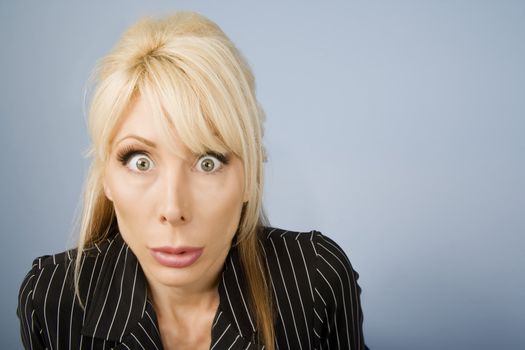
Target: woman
{"type": "Point", "coordinates": [174, 250]}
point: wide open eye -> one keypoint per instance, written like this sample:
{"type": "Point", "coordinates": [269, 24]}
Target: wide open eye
{"type": "Point", "coordinates": [210, 163]}
{"type": "Point", "coordinates": [135, 159]}
{"type": "Point", "coordinates": [140, 162]}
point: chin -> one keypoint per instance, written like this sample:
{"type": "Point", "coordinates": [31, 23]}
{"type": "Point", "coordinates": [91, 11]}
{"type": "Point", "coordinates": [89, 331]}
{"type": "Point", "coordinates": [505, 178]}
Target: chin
{"type": "Point", "coordinates": [174, 278]}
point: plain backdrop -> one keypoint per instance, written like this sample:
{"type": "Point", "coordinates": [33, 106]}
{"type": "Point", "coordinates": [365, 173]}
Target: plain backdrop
{"type": "Point", "coordinates": [394, 127]}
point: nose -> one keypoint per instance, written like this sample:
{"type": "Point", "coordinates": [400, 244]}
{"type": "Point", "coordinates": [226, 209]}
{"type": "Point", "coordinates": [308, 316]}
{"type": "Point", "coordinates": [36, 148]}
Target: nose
{"type": "Point", "coordinates": [174, 204]}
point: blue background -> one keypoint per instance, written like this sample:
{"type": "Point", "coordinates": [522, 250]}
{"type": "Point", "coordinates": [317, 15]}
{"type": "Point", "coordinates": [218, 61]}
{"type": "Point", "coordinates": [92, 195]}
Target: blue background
{"type": "Point", "coordinates": [395, 127]}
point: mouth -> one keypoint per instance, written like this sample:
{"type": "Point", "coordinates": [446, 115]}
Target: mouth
{"type": "Point", "coordinates": [179, 257]}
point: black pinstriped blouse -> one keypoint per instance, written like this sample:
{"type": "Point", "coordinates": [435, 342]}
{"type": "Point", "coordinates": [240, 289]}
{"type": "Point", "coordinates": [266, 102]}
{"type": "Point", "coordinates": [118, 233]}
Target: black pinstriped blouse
{"type": "Point", "coordinates": [314, 285]}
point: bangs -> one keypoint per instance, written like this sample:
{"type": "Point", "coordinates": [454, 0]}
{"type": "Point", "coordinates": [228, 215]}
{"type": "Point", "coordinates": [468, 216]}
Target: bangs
{"type": "Point", "coordinates": [190, 103]}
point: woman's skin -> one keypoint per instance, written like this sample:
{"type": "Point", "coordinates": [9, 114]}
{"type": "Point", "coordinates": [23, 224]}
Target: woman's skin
{"type": "Point", "coordinates": [165, 199]}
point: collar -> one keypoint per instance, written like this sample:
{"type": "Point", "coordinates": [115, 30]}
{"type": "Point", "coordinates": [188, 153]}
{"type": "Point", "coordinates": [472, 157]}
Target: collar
{"type": "Point", "coordinates": [119, 300]}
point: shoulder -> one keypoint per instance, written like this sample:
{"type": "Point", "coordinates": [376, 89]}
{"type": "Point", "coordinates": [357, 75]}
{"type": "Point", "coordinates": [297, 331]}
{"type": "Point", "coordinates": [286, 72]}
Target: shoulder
{"type": "Point", "coordinates": [279, 238]}
{"type": "Point", "coordinates": [49, 284]}
{"type": "Point", "coordinates": [294, 255]}
{"type": "Point", "coordinates": [336, 277]}
{"type": "Point", "coordinates": [314, 285]}
{"type": "Point", "coordinates": [44, 287]}
{"type": "Point", "coordinates": [47, 270]}
{"type": "Point", "coordinates": [311, 254]}
{"type": "Point", "coordinates": [285, 250]}
{"type": "Point", "coordinates": [49, 312]}
{"type": "Point", "coordinates": [312, 244]}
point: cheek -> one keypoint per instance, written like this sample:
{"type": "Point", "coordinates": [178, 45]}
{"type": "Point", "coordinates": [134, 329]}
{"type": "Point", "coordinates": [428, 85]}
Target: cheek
{"type": "Point", "coordinates": [223, 208]}
{"type": "Point", "coordinates": [128, 198]}
{"type": "Point", "coordinates": [220, 204]}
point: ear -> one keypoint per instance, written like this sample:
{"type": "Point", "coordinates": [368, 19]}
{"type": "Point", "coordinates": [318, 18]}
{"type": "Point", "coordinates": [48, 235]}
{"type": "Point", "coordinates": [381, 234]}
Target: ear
{"type": "Point", "coordinates": [107, 191]}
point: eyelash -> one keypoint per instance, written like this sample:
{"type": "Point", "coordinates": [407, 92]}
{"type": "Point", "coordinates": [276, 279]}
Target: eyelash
{"type": "Point", "coordinates": [125, 154]}
{"type": "Point", "coordinates": [221, 157]}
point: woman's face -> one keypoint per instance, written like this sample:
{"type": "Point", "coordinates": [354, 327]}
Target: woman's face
{"type": "Point", "coordinates": [164, 201]}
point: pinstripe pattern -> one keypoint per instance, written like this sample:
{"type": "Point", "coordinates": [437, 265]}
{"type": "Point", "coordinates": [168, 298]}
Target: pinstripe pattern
{"type": "Point", "coordinates": [314, 286]}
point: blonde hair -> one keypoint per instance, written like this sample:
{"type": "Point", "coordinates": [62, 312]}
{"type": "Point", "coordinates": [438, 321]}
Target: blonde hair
{"type": "Point", "coordinates": [194, 78]}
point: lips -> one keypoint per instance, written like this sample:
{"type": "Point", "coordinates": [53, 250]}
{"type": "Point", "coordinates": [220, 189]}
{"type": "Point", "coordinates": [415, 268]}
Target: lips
{"type": "Point", "coordinates": [178, 257]}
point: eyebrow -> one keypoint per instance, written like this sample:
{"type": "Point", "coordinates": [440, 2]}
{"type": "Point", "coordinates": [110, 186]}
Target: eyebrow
{"type": "Point", "coordinates": [139, 138]}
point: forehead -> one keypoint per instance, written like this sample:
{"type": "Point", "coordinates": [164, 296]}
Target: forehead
{"type": "Point", "coordinates": [139, 121]}
{"type": "Point", "coordinates": [137, 117]}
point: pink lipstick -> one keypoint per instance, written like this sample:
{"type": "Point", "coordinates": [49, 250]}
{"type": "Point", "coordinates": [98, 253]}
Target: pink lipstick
{"type": "Point", "coordinates": [176, 257]}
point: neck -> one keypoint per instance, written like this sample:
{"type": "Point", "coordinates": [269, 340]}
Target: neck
{"type": "Point", "coordinates": [185, 301]}
{"type": "Point", "coordinates": [185, 316]}
{"type": "Point", "coordinates": [178, 303]}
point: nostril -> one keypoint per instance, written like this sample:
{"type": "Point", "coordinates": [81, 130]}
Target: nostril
{"type": "Point", "coordinates": [173, 219]}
